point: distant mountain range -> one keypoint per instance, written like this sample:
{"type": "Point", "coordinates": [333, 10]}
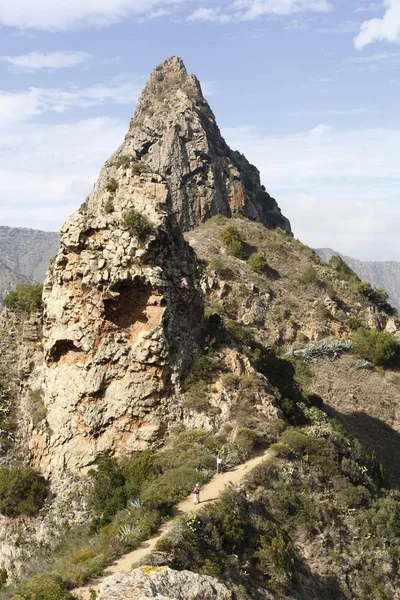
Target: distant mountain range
{"type": "Point", "coordinates": [384, 275]}
{"type": "Point", "coordinates": [24, 256]}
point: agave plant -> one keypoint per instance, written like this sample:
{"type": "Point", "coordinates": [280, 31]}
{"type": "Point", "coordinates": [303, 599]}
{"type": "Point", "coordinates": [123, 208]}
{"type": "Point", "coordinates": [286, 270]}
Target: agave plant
{"type": "Point", "coordinates": [365, 365]}
{"type": "Point", "coordinates": [126, 531]}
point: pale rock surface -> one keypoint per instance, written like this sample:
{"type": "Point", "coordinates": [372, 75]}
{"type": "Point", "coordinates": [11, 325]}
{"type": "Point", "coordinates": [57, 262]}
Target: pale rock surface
{"type": "Point", "coordinates": [175, 133]}
{"type": "Point", "coordinates": [162, 583]}
{"type": "Point", "coordinates": [123, 317]}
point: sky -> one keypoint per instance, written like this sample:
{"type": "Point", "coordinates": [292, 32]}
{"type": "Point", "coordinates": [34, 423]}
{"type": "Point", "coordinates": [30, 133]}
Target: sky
{"type": "Point", "coordinates": [308, 90]}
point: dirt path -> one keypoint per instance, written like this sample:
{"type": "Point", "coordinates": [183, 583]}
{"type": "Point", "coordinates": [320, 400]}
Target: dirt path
{"type": "Point", "coordinates": [209, 493]}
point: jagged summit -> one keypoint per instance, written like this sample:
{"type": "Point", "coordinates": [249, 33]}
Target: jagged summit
{"type": "Point", "coordinates": [174, 132]}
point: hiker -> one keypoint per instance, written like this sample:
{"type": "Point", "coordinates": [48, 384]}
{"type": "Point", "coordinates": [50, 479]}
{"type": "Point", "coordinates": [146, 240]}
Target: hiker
{"type": "Point", "coordinates": [196, 494]}
{"type": "Point", "coordinates": [219, 465]}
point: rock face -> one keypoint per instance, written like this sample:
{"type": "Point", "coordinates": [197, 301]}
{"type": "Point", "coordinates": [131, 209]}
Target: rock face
{"type": "Point", "coordinates": [162, 583]}
{"type": "Point", "coordinates": [123, 315]}
{"type": "Point", "coordinates": [174, 132]}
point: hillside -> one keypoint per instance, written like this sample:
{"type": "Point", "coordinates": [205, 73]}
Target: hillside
{"type": "Point", "coordinates": [182, 322]}
{"type": "Point", "coordinates": [380, 274]}
{"type": "Point", "coordinates": [25, 255]}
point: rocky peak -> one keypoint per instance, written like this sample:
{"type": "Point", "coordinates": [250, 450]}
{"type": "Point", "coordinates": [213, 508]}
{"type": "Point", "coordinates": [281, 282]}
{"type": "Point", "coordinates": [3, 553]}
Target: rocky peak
{"type": "Point", "coordinates": [123, 316]}
{"type": "Point", "coordinates": [174, 133]}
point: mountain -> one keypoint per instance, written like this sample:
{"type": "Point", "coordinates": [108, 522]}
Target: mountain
{"type": "Point", "coordinates": [24, 256]}
{"type": "Point", "coordinates": [380, 274]}
{"type": "Point", "coordinates": [174, 133]}
{"type": "Point", "coordinates": [183, 323]}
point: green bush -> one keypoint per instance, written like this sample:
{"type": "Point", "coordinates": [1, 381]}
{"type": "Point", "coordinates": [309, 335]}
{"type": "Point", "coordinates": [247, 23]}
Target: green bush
{"type": "Point", "coordinates": [169, 488]}
{"type": "Point", "coordinates": [257, 262]}
{"type": "Point", "coordinates": [203, 370]}
{"type": "Point", "coordinates": [220, 269]}
{"type": "Point", "coordinates": [123, 160]}
{"type": "Point", "coordinates": [231, 238]}
{"type": "Point", "coordinates": [246, 440]}
{"type": "Point", "coordinates": [107, 494]}
{"type": "Point", "coordinates": [310, 276]}
{"type": "Point", "coordinates": [44, 590]}
{"type": "Point", "coordinates": [36, 407]}
{"type": "Point", "coordinates": [138, 224]}
{"type": "Point", "coordinates": [343, 270]}
{"type": "Point", "coordinates": [26, 298]}
{"type": "Point", "coordinates": [377, 296]}
{"type": "Point", "coordinates": [378, 347]}
{"type": "Point", "coordinates": [22, 490]}
{"type": "Point", "coordinates": [3, 577]}
{"type": "Point", "coordinates": [108, 206]}
{"type": "Point", "coordinates": [137, 471]}
{"type": "Point", "coordinates": [112, 185]}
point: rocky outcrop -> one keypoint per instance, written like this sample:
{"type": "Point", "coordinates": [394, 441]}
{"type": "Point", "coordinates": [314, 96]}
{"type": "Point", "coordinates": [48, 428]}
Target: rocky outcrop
{"type": "Point", "coordinates": [123, 316]}
{"type": "Point", "coordinates": [174, 133]}
{"type": "Point", "coordinates": [162, 583]}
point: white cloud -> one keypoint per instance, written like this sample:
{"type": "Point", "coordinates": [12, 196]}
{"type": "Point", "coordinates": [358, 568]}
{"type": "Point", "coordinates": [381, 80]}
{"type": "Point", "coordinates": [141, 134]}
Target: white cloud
{"type": "Point", "coordinates": [334, 112]}
{"type": "Point", "coordinates": [21, 106]}
{"type": "Point", "coordinates": [385, 29]}
{"type": "Point", "coordinates": [338, 188]}
{"type": "Point", "coordinates": [210, 14]}
{"type": "Point", "coordinates": [49, 175]}
{"type": "Point", "coordinates": [35, 61]}
{"type": "Point", "coordinates": [51, 15]}
{"type": "Point", "coordinates": [381, 57]}
{"type": "Point", "coordinates": [247, 10]}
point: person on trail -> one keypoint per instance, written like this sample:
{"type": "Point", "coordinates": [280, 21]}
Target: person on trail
{"type": "Point", "coordinates": [196, 494]}
{"type": "Point", "coordinates": [219, 465]}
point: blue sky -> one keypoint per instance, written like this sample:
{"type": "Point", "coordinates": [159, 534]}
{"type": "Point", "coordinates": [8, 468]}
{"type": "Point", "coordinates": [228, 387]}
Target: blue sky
{"type": "Point", "coordinates": [307, 89]}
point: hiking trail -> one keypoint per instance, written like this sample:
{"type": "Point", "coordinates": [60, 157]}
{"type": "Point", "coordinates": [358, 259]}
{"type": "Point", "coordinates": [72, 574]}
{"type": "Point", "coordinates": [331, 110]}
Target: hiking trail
{"type": "Point", "coordinates": [209, 493]}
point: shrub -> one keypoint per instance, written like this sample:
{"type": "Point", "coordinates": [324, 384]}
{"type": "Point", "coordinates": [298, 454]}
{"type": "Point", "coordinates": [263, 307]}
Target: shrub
{"type": "Point", "coordinates": [220, 269]}
{"type": "Point", "coordinates": [343, 270]}
{"type": "Point", "coordinates": [353, 323]}
{"type": "Point", "coordinates": [310, 276]}
{"type": "Point", "coordinates": [123, 160]}
{"type": "Point", "coordinates": [378, 347]}
{"type": "Point", "coordinates": [204, 369]}
{"type": "Point", "coordinates": [377, 296]}
{"type": "Point", "coordinates": [36, 407]}
{"type": "Point", "coordinates": [107, 494]}
{"type": "Point", "coordinates": [246, 440]}
{"type": "Point", "coordinates": [137, 223]}
{"type": "Point", "coordinates": [112, 185]}
{"type": "Point", "coordinates": [108, 206]}
{"type": "Point", "coordinates": [26, 298]}
{"type": "Point", "coordinates": [231, 238]}
{"type": "Point", "coordinates": [3, 577]}
{"type": "Point", "coordinates": [22, 490]}
{"type": "Point", "coordinates": [44, 590]}
{"type": "Point", "coordinates": [137, 471]}
{"type": "Point", "coordinates": [171, 487]}
{"type": "Point", "coordinates": [257, 262]}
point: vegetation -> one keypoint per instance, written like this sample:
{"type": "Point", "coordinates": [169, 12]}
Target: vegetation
{"type": "Point", "coordinates": [257, 262]}
{"type": "Point", "coordinates": [123, 160]}
{"type": "Point", "coordinates": [112, 185]}
{"type": "Point", "coordinates": [310, 276]}
{"type": "Point", "coordinates": [249, 538]}
{"type": "Point", "coordinates": [220, 269]}
{"type": "Point", "coordinates": [376, 296]}
{"type": "Point", "coordinates": [377, 347]}
{"type": "Point", "coordinates": [22, 490]}
{"type": "Point", "coordinates": [343, 270]}
{"type": "Point", "coordinates": [36, 407]}
{"type": "Point", "coordinates": [108, 206]}
{"type": "Point", "coordinates": [26, 298]}
{"type": "Point", "coordinates": [231, 238]}
{"type": "Point", "coordinates": [137, 223]}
